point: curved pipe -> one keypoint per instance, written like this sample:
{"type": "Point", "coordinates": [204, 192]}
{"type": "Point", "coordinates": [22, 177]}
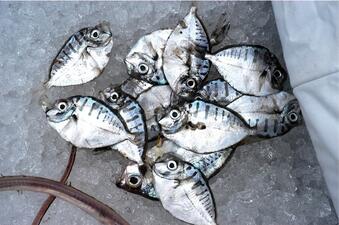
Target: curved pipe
{"type": "Point", "coordinates": [47, 203]}
{"type": "Point", "coordinates": [97, 209]}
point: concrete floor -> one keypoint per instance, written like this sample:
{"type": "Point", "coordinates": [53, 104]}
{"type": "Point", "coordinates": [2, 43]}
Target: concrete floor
{"type": "Point", "coordinates": [274, 182]}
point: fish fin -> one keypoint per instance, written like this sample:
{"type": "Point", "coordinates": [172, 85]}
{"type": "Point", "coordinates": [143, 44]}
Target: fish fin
{"type": "Point", "coordinates": [220, 31]}
{"type": "Point", "coordinates": [210, 57]}
{"type": "Point", "coordinates": [135, 138]}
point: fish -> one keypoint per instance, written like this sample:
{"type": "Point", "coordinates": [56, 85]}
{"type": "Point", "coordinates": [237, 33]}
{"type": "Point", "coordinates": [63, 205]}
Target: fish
{"type": "Point", "coordinates": [86, 122]}
{"type": "Point", "coordinates": [266, 113]}
{"type": "Point", "coordinates": [250, 69]}
{"type": "Point", "coordinates": [183, 191]}
{"type": "Point", "coordinates": [83, 57]}
{"type": "Point", "coordinates": [133, 117]}
{"type": "Point", "coordinates": [203, 127]}
{"type": "Point", "coordinates": [144, 60]}
{"type": "Point", "coordinates": [209, 164]}
{"type": "Point", "coordinates": [218, 92]}
{"type": "Point", "coordinates": [184, 63]}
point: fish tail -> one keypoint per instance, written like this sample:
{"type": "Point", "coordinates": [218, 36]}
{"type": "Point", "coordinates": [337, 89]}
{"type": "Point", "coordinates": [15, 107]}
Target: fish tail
{"type": "Point", "coordinates": [48, 84]}
{"type": "Point", "coordinates": [193, 10]}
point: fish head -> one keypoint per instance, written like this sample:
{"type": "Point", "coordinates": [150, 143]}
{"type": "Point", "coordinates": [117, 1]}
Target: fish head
{"type": "Point", "coordinates": [113, 96]}
{"type": "Point", "coordinates": [187, 87]}
{"type": "Point", "coordinates": [100, 35]}
{"type": "Point", "coordinates": [292, 114]}
{"type": "Point", "coordinates": [174, 119]}
{"type": "Point", "coordinates": [140, 65]}
{"type": "Point", "coordinates": [171, 167]}
{"type": "Point", "coordinates": [62, 110]}
{"type": "Point", "coordinates": [131, 179]}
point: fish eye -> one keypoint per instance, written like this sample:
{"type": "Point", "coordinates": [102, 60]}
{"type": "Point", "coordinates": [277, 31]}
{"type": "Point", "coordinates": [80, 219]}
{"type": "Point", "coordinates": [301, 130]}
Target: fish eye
{"type": "Point", "coordinates": [190, 83]}
{"type": "Point", "coordinates": [175, 114]}
{"type": "Point", "coordinates": [62, 106]}
{"type": "Point", "coordinates": [172, 165]}
{"type": "Point", "coordinates": [293, 117]}
{"type": "Point", "coordinates": [114, 96]}
{"type": "Point", "coordinates": [143, 68]}
{"type": "Point", "coordinates": [278, 75]}
{"type": "Point", "coordinates": [134, 181]}
{"type": "Point", "coordinates": [95, 34]}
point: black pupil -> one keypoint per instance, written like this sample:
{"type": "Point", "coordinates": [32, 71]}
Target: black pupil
{"type": "Point", "coordinates": [133, 180]}
{"type": "Point", "coordinates": [62, 106]}
{"type": "Point", "coordinates": [142, 68]}
{"type": "Point", "coordinates": [171, 165]}
{"type": "Point", "coordinates": [293, 117]}
{"type": "Point", "coordinates": [114, 96]}
{"type": "Point", "coordinates": [95, 34]}
{"type": "Point", "coordinates": [174, 114]}
{"type": "Point", "coordinates": [277, 74]}
{"type": "Point", "coordinates": [190, 83]}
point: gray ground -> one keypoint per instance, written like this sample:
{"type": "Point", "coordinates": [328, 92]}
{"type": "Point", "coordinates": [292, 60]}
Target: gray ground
{"type": "Point", "coordinates": [274, 182]}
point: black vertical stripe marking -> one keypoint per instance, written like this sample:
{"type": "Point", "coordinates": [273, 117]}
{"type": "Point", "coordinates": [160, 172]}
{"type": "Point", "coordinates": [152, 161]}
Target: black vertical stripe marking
{"type": "Point", "coordinates": [255, 55]}
{"type": "Point", "coordinates": [94, 106]}
{"type": "Point", "coordinates": [207, 109]}
{"type": "Point", "coordinates": [99, 112]}
{"type": "Point", "coordinates": [216, 89]}
{"type": "Point", "coordinates": [197, 184]}
{"type": "Point", "coordinates": [275, 128]}
{"type": "Point", "coordinates": [223, 115]}
{"type": "Point", "coordinates": [70, 46]}
{"type": "Point", "coordinates": [132, 119]}
{"type": "Point", "coordinates": [216, 113]}
{"type": "Point", "coordinates": [197, 108]}
{"type": "Point", "coordinates": [226, 88]}
{"type": "Point", "coordinates": [65, 54]}
{"type": "Point", "coordinates": [266, 125]}
{"type": "Point", "coordinates": [246, 53]}
{"type": "Point", "coordinates": [83, 104]}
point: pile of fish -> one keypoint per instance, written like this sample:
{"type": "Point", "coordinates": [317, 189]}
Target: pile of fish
{"type": "Point", "coordinates": [176, 126]}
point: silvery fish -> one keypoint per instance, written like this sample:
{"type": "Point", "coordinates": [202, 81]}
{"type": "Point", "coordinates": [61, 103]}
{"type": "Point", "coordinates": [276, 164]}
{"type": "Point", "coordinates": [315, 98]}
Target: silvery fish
{"type": "Point", "coordinates": [265, 113]}
{"type": "Point", "coordinates": [152, 100]}
{"type": "Point", "coordinates": [203, 127]}
{"type": "Point", "coordinates": [183, 59]}
{"type": "Point", "coordinates": [87, 122]}
{"type": "Point", "coordinates": [83, 57]}
{"type": "Point", "coordinates": [218, 92]}
{"type": "Point", "coordinates": [145, 58]}
{"type": "Point", "coordinates": [133, 117]}
{"type": "Point", "coordinates": [268, 124]}
{"type": "Point", "coordinates": [250, 69]}
{"type": "Point", "coordinates": [183, 191]}
{"type": "Point", "coordinates": [140, 181]}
